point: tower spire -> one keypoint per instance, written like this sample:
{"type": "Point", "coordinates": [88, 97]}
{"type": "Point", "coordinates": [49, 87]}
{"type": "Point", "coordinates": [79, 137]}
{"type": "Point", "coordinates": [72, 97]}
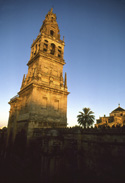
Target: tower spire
{"type": "Point", "coordinates": [23, 80]}
{"type": "Point", "coordinates": [51, 10]}
{"type": "Point", "coordinates": [65, 81]}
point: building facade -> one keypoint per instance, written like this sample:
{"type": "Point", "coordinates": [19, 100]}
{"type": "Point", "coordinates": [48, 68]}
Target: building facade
{"type": "Point", "coordinates": [116, 117]}
{"type": "Point", "coordinates": [42, 99]}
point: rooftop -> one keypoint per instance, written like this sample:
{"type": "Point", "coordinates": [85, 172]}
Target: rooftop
{"type": "Point", "coordinates": [118, 109]}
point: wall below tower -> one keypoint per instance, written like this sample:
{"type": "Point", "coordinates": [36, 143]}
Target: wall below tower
{"type": "Point", "coordinates": [66, 155]}
{"type": "Point", "coordinates": [88, 155]}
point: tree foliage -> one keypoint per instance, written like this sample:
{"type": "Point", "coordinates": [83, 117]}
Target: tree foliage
{"type": "Point", "coordinates": [86, 118]}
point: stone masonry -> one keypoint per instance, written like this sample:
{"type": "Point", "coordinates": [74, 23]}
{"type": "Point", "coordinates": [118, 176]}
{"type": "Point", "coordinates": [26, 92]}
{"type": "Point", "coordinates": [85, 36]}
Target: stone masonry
{"type": "Point", "coordinates": [42, 99]}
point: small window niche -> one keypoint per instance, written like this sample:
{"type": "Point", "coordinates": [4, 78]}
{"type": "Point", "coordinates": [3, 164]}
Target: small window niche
{"type": "Point", "coordinates": [52, 49]}
{"type": "Point", "coordinates": [59, 51]}
{"type": "Point", "coordinates": [39, 46]}
{"type": "Point", "coordinates": [52, 19]}
{"type": "Point", "coordinates": [45, 46]}
{"type": "Point", "coordinates": [51, 32]}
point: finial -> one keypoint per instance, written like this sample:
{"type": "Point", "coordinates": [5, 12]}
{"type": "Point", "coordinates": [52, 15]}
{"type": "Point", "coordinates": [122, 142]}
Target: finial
{"type": "Point", "coordinates": [51, 10]}
{"type": "Point", "coordinates": [23, 80]}
{"type": "Point", "coordinates": [119, 105]}
{"type": "Point", "coordinates": [63, 38]}
{"type": "Point", "coordinates": [65, 81]}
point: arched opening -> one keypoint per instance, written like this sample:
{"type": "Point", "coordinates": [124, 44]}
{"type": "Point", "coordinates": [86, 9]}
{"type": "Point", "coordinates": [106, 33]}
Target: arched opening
{"type": "Point", "coordinates": [52, 49]}
{"type": "Point", "coordinates": [45, 46]}
{"type": "Point", "coordinates": [39, 46]}
{"type": "Point", "coordinates": [52, 19]}
{"type": "Point", "coordinates": [35, 50]}
{"type": "Point", "coordinates": [51, 32]}
{"type": "Point", "coordinates": [59, 51]}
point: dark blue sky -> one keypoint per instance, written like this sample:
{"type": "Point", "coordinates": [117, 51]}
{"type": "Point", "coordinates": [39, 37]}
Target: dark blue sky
{"type": "Point", "coordinates": [94, 32]}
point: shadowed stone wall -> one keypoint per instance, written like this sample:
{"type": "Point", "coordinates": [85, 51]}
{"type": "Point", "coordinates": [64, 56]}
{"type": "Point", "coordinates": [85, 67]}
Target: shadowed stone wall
{"type": "Point", "coordinates": [91, 154]}
{"type": "Point", "coordinates": [67, 155]}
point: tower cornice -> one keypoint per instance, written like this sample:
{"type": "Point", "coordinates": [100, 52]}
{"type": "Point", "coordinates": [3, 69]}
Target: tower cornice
{"type": "Point", "coordinates": [42, 86]}
{"type": "Point", "coordinates": [48, 56]}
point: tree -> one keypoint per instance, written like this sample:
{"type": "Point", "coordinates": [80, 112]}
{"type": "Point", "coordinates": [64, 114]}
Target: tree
{"type": "Point", "coordinates": [86, 118]}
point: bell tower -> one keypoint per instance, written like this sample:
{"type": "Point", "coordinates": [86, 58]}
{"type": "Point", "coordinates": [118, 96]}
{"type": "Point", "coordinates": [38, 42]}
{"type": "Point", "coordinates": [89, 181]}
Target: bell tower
{"type": "Point", "coordinates": [42, 99]}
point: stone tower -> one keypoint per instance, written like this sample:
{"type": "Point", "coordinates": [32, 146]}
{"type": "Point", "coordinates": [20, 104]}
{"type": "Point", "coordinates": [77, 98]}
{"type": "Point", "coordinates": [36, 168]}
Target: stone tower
{"type": "Point", "coordinates": [42, 99]}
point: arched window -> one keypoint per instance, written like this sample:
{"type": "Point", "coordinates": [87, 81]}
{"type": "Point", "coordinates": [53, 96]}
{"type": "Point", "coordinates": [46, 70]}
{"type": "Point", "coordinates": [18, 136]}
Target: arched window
{"type": "Point", "coordinates": [52, 19]}
{"type": "Point", "coordinates": [39, 46]}
{"type": "Point", "coordinates": [35, 49]}
{"type": "Point", "coordinates": [59, 51]}
{"type": "Point", "coordinates": [51, 32]}
{"type": "Point", "coordinates": [52, 49]}
{"type": "Point", "coordinates": [45, 46]}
